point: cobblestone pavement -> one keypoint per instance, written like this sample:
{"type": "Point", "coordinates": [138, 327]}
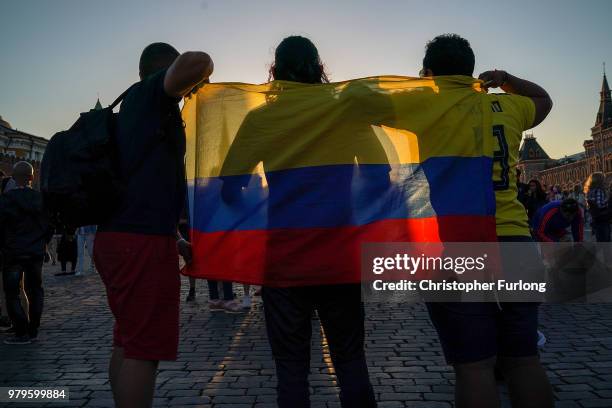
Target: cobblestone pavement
{"type": "Point", "coordinates": [225, 360]}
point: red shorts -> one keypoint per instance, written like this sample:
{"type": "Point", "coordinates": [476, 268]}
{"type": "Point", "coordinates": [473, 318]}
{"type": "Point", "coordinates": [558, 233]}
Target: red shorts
{"type": "Point", "coordinates": [142, 279]}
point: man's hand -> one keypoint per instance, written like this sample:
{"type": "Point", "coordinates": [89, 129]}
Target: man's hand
{"type": "Point", "coordinates": [184, 250]}
{"type": "Point", "coordinates": [517, 86]}
{"type": "Point", "coordinates": [493, 79]}
{"type": "Point", "coordinates": [188, 70]}
{"type": "Point", "coordinates": [197, 87]}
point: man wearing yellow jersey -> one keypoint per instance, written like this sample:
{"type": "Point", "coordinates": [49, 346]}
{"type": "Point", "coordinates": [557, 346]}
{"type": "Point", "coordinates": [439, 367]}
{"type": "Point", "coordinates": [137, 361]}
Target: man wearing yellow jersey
{"type": "Point", "coordinates": [523, 106]}
{"type": "Point", "coordinates": [476, 336]}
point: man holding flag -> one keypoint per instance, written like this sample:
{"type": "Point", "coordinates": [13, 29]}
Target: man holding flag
{"type": "Point", "coordinates": [136, 250]}
{"type": "Point", "coordinates": [476, 335]}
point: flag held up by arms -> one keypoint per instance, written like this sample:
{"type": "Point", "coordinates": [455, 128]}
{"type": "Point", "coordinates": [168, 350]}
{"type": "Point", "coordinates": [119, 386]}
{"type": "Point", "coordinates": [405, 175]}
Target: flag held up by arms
{"type": "Point", "coordinates": [286, 180]}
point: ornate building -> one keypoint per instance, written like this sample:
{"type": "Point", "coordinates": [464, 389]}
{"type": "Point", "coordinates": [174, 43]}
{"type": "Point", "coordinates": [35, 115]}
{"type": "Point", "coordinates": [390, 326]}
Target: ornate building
{"type": "Point", "coordinates": [16, 145]}
{"type": "Point", "coordinates": [573, 170]}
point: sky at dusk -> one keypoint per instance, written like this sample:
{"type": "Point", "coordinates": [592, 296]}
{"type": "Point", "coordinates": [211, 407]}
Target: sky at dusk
{"type": "Point", "coordinates": [57, 56]}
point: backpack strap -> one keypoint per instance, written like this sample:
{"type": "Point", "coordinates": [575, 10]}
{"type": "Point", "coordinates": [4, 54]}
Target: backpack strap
{"type": "Point", "coordinates": [120, 97]}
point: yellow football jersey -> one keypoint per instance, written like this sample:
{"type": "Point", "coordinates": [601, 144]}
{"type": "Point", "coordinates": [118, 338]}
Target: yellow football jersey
{"type": "Point", "coordinates": [512, 114]}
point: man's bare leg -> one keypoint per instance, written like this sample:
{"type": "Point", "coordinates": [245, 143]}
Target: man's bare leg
{"type": "Point", "coordinates": [528, 384]}
{"type": "Point", "coordinates": [114, 368]}
{"type": "Point", "coordinates": [475, 385]}
{"type": "Point", "coordinates": [136, 383]}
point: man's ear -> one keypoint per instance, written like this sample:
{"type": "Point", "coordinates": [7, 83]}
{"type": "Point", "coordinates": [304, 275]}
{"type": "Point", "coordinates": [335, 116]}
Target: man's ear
{"type": "Point", "coordinates": [428, 72]}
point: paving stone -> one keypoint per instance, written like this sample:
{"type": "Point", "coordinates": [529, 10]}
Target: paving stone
{"type": "Point", "coordinates": [225, 360]}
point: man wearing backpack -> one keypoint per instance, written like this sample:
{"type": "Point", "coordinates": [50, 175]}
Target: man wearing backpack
{"type": "Point", "coordinates": [25, 232]}
{"type": "Point", "coordinates": [135, 251]}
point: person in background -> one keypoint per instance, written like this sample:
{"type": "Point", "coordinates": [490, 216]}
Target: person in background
{"type": "Point", "coordinates": [5, 322]}
{"type": "Point", "coordinates": [8, 183]}
{"type": "Point", "coordinates": [25, 230]}
{"type": "Point", "coordinates": [52, 250]}
{"type": "Point", "coordinates": [137, 250]}
{"type": "Point", "coordinates": [578, 195]}
{"type": "Point", "coordinates": [551, 222]}
{"type": "Point", "coordinates": [597, 204]}
{"type": "Point", "coordinates": [85, 241]}
{"type": "Point", "coordinates": [67, 253]}
{"type": "Point", "coordinates": [246, 299]}
{"type": "Point", "coordinates": [228, 304]}
{"type": "Point", "coordinates": [477, 336]}
{"type": "Point", "coordinates": [191, 294]}
{"type": "Point", "coordinates": [521, 188]}
{"type": "Point", "coordinates": [550, 194]}
{"type": "Point", "coordinates": [534, 198]}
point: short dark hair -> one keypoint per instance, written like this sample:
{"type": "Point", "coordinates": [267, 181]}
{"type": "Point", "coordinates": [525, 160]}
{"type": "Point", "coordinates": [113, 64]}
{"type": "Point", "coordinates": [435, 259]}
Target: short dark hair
{"type": "Point", "coordinates": [569, 205]}
{"type": "Point", "coordinates": [449, 54]}
{"type": "Point", "coordinates": [155, 57]}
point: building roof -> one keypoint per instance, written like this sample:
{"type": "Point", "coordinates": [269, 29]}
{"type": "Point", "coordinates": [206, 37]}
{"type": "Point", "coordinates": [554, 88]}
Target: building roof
{"type": "Point", "coordinates": [4, 123]}
{"type": "Point", "coordinates": [571, 158]}
{"type": "Point", "coordinates": [7, 129]}
{"type": "Point", "coordinates": [604, 113]}
{"type": "Point", "coordinates": [531, 150]}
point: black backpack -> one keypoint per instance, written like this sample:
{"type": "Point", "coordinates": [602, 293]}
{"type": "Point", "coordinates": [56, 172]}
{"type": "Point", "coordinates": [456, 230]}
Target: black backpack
{"type": "Point", "coordinates": [79, 175]}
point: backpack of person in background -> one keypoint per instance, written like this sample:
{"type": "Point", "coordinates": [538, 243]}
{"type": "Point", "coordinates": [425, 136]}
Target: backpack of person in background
{"type": "Point", "coordinates": [79, 176]}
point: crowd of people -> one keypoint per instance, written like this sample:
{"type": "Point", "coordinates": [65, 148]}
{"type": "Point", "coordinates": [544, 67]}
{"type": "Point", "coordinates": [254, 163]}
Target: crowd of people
{"type": "Point", "coordinates": [137, 251]}
{"type": "Point", "coordinates": [589, 204]}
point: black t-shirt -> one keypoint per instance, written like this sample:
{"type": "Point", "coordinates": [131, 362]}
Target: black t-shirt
{"type": "Point", "coordinates": [151, 144]}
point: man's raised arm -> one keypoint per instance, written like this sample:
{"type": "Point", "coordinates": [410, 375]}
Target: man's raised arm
{"type": "Point", "coordinates": [514, 85]}
{"type": "Point", "coordinates": [187, 71]}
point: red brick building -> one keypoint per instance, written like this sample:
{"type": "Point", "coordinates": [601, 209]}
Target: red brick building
{"type": "Point", "coordinates": [573, 170]}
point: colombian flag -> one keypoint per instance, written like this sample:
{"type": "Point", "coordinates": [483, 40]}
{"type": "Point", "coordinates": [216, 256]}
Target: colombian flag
{"type": "Point", "coordinates": [286, 181]}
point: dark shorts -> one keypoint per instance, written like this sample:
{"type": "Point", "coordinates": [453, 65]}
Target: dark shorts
{"type": "Point", "coordinates": [471, 332]}
{"type": "Point", "coordinates": [142, 279]}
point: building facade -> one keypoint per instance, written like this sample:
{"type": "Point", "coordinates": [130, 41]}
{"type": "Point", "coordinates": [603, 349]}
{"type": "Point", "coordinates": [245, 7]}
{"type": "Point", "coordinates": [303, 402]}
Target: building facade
{"type": "Point", "coordinates": [571, 171]}
{"type": "Point", "coordinates": [16, 145]}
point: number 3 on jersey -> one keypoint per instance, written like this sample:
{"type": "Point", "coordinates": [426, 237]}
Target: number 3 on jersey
{"type": "Point", "coordinates": [501, 180]}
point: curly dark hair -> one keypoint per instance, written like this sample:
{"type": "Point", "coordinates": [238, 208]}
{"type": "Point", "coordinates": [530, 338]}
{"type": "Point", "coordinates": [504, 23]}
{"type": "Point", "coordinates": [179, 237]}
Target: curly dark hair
{"type": "Point", "coordinates": [449, 54]}
{"type": "Point", "coordinates": [297, 59]}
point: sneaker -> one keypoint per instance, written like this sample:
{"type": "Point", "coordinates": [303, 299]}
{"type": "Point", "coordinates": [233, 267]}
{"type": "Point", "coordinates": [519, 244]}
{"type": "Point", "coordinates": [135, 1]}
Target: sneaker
{"type": "Point", "coordinates": [79, 273]}
{"type": "Point", "coordinates": [190, 297]}
{"type": "Point", "coordinates": [215, 305]}
{"type": "Point", "coordinates": [246, 303]}
{"type": "Point", "coordinates": [541, 339]}
{"type": "Point", "coordinates": [232, 306]}
{"type": "Point", "coordinates": [16, 340]}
